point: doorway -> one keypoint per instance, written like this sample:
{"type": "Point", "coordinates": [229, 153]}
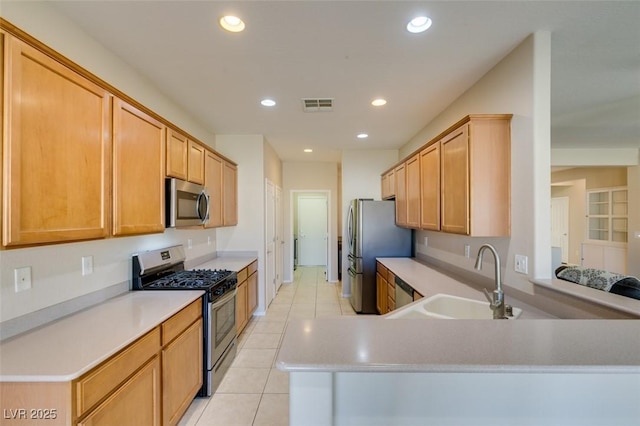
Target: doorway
{"type": "Point", "coordinates": [312, 229]}
{"type": "Point", "coordinates": [560, 225]}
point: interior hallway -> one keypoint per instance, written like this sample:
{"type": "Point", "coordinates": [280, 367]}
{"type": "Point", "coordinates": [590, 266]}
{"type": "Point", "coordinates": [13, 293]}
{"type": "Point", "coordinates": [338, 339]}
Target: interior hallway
{"type": "Point", "coordinates": [254, 392]}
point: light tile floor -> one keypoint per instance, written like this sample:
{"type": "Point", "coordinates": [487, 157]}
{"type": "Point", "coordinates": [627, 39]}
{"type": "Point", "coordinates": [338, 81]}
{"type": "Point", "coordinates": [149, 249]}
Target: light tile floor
{"type": "Point", "coordinates": [254, 392]}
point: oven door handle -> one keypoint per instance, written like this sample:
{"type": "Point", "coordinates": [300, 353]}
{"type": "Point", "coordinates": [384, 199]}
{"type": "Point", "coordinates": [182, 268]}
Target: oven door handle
{"type": "Point", "coordinates": [225, 299]}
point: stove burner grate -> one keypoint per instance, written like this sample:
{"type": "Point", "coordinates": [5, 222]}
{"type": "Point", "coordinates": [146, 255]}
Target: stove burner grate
{"type": "Point", "coordinates": [194, 279]}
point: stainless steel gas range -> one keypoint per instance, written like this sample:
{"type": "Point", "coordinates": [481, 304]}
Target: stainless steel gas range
{"type": "Point", "coordinates": [164, 270]}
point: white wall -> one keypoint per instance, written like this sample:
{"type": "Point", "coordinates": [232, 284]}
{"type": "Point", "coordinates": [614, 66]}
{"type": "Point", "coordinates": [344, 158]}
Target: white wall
{"type": "Point", "coordinates": [361, 172]}
{"type": "Point", "coordinates": [310, 177]}
{"type": "Point", "coordinates": [633, 254]}
{"type": "Point", "coordinates": [56, 276]}
{"type": "Point", "coordinates": [249, 235]}
{"type": "Point", "coordinates": [520, 85]}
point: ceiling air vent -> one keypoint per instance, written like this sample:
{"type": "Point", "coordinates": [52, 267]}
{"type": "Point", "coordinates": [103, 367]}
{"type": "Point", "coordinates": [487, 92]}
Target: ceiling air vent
{"type": "Point", "coordinates": [317, 105]}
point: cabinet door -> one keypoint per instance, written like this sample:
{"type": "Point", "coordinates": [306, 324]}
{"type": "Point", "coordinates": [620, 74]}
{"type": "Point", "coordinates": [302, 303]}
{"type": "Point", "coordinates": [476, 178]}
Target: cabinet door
{"type": "Point", "coordinates": [384, 186]}
{"type": "Point", "coordinates": [136, 402]}
{"type": "Point", "coordinates": [252, 293]}
{"type": "Point", "coordinates": [455, 181]}
{"type": "Point", "coordinates": [430, 187]}
{"type": "Point", "coordinates": [213, 168]}
{"type": "Point", "coordinates": [401, 195]}
{"type": "Point", "coordinates": [241, 306]}
{"type": "Point", "coordinates": [57, 151]}
{"type": "Point", "coordinates": [181, 373]}
{"type": "Point", "coordinates": [381, 294]}
{"type": "Point", "coordinates": [413, 191]}
{"type": "Point", "coordinates": [177, 147]}
{"type": "Point", "coordinates": [230, 194]}
{"type": "Point", "coordinates": [196, 163]}
{"type": "Point", "coordinates": [138, 186]}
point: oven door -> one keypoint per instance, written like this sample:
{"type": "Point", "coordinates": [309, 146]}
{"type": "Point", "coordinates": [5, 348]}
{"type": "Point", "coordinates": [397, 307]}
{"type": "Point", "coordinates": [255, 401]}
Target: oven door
{"type": "Point", "coordinates": [222, 327]}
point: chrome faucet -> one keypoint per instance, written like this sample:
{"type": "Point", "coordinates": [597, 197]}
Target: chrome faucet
{"type": "Point", "coordinates": [496, 299]}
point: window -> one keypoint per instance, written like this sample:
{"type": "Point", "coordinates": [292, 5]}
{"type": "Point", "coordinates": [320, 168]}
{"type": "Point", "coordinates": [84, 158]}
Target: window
{"type": "Point", "coordinates": [607, 215]}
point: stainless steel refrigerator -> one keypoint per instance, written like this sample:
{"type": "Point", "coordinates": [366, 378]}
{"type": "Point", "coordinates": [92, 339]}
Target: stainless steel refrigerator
{"type": "Point", "coordinates": [372, 232]}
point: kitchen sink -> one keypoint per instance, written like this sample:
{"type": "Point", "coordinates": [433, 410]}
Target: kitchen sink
{"type": "Point", "coordinates": [446, 306]}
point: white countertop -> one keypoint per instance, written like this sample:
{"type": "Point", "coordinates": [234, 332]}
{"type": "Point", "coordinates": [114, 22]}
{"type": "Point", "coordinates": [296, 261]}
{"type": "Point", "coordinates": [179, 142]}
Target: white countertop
{"type": "Point", "coordinates": [375, 344]}
{"type": "Point", "coordinates": [428, 282]}
{"type": "Point", "coordinates": [531, 343]}
{"type": "Point", "coordinates": [620, 303]}
{"type": "Point", "coordinates": [235, 263]}
{"type": "Point", "coordinates": [69, 347]}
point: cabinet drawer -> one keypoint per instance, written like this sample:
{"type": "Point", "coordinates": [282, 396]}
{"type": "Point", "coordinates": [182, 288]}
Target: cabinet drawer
{"type": "Point", "coordinates": [381, 270]}
{"type": "Point", "coordinates": [253, 267]}
{"type": "Point", "coordinates": [391, 278]}
{"type": "Point", "coordinates": [391, 290]}
{"type": "Point", "coordinates": [101, 381]}
{"type": "Point", "coordinates": [242, 275]}
{"type": "Point", "coordinates": [175, 325]}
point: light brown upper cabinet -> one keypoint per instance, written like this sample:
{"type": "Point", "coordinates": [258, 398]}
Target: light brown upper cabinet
{"type": "Point", "coordinates": [476, 177]}
{"type": "Point", "coordinates": [177, 154]}
{"type": "Point", "coordinates": [57, 150]}
{"type": "Point", "coordinates": [401, 195]}
{"type": "Point", "coordinates": [455, 181]}
{"type": "Point", "coordinates": [412, 166]}
{"type": "Point", "coordinates": [185, 158]}
{"type": "Point", "coordinates": [430, 187]}
{"type": "Point", "coordinates": [230, 194]}
{"type": "Point", "coordinates": [196, 163]}
{"type": "Point", "coordinates": [462, 177]}
{"type": "Point", "coordinates": [138, 171]}
{"type": "Point", "coordinates": [213, 167]}
{"type": "Point", "coordinates": [388, 185]}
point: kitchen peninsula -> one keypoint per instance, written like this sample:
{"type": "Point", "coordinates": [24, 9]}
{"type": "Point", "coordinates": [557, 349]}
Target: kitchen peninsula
{"type": "Point", "coordinates": [529, 371]}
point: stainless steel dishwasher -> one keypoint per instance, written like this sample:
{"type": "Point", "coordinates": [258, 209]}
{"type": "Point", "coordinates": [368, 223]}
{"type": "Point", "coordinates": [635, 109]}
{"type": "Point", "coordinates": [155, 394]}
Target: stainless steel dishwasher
{"type": "Point", "coordinates": [404, 293]}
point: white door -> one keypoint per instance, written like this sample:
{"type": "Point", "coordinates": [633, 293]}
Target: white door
{"type": "Point", "coordinates": [312, 230]}
{"type": "Point", "coordinates": [560, 225]}
{"type": "Point", "coordinates": [270, 242]}
{"type": "Point", "coordinates": [279, 238]}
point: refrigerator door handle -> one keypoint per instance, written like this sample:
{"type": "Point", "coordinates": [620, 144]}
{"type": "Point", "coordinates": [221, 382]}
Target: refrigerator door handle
{"type": "Point", "coordinates": [352, 273]}
{"type": "Point", "coordinates": [350, 228]}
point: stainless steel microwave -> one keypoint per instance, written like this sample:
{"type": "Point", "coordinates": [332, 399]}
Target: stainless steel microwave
{"type": "Point", "coordinates": [187, 203]}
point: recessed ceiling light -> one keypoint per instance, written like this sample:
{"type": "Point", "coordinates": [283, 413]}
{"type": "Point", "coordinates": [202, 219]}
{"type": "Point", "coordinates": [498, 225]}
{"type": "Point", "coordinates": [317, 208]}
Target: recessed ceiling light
{"type": "Point", "coordinates": [362, 136]}
{"type": "Point", "coordinates": [232, 23]}
{"type": "Point", "coordinates": [419, 24]}
{"type": "Point", "coordinates": [308, 150]}
{"type": "Point", "coordinates": [378, 102]}
{"type": "Point", "coordinates": [268, 102]}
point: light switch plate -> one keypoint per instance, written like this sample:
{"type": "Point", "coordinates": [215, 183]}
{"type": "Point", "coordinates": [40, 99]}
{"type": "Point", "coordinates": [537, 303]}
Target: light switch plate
{"type": "Point", "coordinates": [189, 243]}
{"type": "Point", "coordinates": [521, 264]}
{"type": "Point", "coordinates": [22, 278]}
{"type": "Point", "coordinates": [467, 251]}
{"type": "Point", "coordinates": [426, 241]}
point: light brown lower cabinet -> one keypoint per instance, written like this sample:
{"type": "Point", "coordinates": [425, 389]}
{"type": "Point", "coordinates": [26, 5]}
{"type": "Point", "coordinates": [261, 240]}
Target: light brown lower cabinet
{"type": "Point", "coordinates": [247, 295]}
{"type": "Point", "coordinates": [381, 289]}
{"type": "Point", "coordinates": [136, 402]}
{"type": "Point", "coordinates": [391, 292]}
{"type": "Point", "coordinates": [150, 382]}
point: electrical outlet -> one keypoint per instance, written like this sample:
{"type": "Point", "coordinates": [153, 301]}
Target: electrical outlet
{"type": "Point", "coordinates": [521, 264]}
{"type": "Point", "coordinates": [22, 278]}
{"type": "Point", "coordinates": [189, 243]}
{"type": "Point", "coordinates": [87, 265]}
{"type": "Point", "coordinates": [467, 251]}
{"type": "Point", "coordinates": [426, 241]}
{"type": "Point", "coordinates": [208, 241]}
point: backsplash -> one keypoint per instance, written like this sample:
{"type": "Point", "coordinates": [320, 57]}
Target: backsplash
{"type": "Point", "coordinates": [58, 287]}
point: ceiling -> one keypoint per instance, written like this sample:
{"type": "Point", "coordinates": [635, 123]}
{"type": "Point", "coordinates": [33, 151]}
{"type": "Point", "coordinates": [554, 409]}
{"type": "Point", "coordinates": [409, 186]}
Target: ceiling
{"type": "Point", "coordinates": [355, 51]}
